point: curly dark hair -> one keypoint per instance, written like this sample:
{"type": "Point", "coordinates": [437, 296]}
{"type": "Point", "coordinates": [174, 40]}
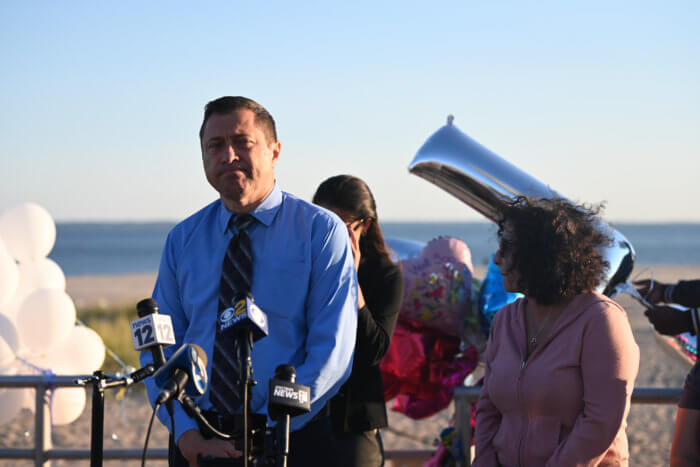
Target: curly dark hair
{"type": "Point", "coordinates": [555, 247]}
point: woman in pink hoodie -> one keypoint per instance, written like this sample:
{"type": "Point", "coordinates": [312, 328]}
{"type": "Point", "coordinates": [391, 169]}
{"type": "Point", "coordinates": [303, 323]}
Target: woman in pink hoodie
{"type": "Point", "coordinates": [561, 362]}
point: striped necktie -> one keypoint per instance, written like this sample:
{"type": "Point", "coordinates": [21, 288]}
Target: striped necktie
{"type": "Point", "coordinates": [236, 279]}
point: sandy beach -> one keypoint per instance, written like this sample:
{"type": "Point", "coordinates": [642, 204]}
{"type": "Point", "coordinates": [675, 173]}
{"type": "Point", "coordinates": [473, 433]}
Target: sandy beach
{"type": "Point", "coordinates": [650, 427]}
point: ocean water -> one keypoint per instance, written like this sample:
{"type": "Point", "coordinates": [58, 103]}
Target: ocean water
{"type": "Point", "coordinates": [126, 248]}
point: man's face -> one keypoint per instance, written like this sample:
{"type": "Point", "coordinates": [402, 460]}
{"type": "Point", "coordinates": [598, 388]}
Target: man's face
{"type": "Point", "coordinates": [238, 159]}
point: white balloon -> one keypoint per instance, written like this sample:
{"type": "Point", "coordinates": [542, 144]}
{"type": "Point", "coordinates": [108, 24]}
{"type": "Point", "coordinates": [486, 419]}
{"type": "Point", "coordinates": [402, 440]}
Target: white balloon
{"type": "Point", "coordinates": [42, 361]}
{"type": "Point", "coordinates": [9, 275]}
{"type": "Point", "coordinates": [8, 332]}
{"type": "Point", "coordinates": [29, 231]}
{"type": "Point", "coordinates": [29, 400]}
{"type": "Point", "coordinates": [81, 354]}
{"type": "Point", "coordinates": [11, 400]}
{"type": "Point", "coordinates": [10, 309]}
{"type": "Point", "coordinates": [42, 273]}
{"type": "Point", "coordinates": [45, 320]}
{"type": "Point", "coordinates": [66, 405]}
{"type": "Point", "coordinates": [7, 355]}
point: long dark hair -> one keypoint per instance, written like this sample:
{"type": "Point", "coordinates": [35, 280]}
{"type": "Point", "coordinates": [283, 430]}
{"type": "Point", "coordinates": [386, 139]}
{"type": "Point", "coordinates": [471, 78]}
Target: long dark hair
{"type": "Point", "coordinates": [352, 195]}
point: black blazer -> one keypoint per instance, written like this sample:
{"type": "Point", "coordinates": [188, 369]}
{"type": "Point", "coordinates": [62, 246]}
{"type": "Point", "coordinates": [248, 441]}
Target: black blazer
{"type": "Point", "coordinates": [360, 406]}
{"type": "Point", "coordinates": [686, 293]}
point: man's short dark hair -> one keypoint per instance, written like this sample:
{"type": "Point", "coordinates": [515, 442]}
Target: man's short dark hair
{"type": "Point", "coordinates": [229, 104]}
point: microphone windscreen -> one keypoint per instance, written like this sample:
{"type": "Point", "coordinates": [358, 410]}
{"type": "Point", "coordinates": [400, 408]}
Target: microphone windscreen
{"type": "Point", "coordinates": [146, 306]}
{"type": "Point", "coordinates": [286, 373]}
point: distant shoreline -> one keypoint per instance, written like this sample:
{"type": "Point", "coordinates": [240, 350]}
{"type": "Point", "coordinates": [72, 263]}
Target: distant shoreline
{"type": "Point", "coordinates": [106, 290]}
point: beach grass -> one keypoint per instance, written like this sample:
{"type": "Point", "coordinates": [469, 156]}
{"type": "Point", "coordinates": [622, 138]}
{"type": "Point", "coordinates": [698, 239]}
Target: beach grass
{"type": "Point", "coordinates": [112, 324]}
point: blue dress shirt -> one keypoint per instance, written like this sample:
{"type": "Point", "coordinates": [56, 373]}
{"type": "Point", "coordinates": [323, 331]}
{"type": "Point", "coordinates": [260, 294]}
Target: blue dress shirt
{"type": "Point", "coordinates": [303, 279]}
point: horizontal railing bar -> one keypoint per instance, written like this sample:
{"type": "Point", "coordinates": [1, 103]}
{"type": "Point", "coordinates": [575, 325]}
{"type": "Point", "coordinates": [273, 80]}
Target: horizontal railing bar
{"type": "Point", "coordinates": [107, 454]}
{"type": "Point", "coordinates": [16, 453]}
{"type": "Point", "coordinates": [29, 381]}
{"type": "Point", "coordinates": [656, 395]}
{"type": "Point", "coordinates": [639, 395]}
{"type": "Point", "coordinates": [74, 454]}
{"type": "Point", "coordinates": [409, 453]}
{"type": "Point", "coordinates": [83, 454]}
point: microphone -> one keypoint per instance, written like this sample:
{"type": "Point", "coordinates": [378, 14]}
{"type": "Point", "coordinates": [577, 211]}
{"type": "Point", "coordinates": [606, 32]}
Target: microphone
{"type": "Point", "coordinates": [286, 397]}
{"type": "Point", "coordinates": [186, 371]}
{"type": "Point", "coordinates": [244, 315]}
{"type": "Point", "coordinates": [152, 330]}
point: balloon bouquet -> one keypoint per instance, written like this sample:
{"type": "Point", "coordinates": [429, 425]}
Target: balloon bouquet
{"type": "Point", "coordinates": [442, 328]}
{"type": "Point", "coordinates": [38, 331]}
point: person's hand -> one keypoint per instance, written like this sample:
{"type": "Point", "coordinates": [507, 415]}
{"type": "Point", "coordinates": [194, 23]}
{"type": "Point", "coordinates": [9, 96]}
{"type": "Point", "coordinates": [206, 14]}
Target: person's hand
{"type": "Point", "coordinates": [355, 234]}
{"type": "Point", "coordinates": [669, 321]}
{"type": "Point", "coordinates": [192, 443]}
{"type": "Point", "coordinates": [653, 296]}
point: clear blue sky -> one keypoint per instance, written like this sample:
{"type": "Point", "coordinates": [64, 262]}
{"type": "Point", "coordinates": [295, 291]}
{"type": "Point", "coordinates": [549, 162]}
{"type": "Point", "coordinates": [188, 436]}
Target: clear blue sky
{"type": "Point", "coordinates": [100, 103]}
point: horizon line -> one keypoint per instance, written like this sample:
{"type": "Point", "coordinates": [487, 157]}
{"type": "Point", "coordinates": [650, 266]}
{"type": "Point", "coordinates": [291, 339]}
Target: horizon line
{"type": "Point", "coordinates": [387, 221]}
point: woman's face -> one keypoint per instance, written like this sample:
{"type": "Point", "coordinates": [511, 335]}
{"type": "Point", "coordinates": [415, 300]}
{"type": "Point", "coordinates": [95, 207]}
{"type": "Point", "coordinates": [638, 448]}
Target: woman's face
{"type": "Point", "coordinates": [504, 260]}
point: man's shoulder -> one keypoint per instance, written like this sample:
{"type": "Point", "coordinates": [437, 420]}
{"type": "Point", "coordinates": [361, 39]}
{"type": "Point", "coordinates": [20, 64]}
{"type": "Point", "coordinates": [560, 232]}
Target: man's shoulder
{"type": "Point", "coordinates": [309, 210]}
{"type": "Point", "coordinates": [206, 216]}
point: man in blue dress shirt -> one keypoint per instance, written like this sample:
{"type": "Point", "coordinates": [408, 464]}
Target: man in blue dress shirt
{"type": "Point", "coordinates": [303, 279]}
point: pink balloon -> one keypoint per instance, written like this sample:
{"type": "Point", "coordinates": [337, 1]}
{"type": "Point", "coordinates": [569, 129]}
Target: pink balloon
{"type": "Point", "coordinates": [437, 286]}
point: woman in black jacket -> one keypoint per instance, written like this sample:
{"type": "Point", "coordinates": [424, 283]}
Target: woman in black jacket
{"type": "Point", "coordinates": [358, 411]}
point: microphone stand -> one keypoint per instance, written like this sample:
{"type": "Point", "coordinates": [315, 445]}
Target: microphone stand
{"type": "Point", "coordinates": [100, 383]}
{"type": "Point", "coordinates": [282, 432]}
{"type": "Point", "coordinates": [245, 345]}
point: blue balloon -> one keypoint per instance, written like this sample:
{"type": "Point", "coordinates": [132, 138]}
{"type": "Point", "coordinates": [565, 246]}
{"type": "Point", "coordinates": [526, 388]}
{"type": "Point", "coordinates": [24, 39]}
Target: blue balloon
{"type": "Point", "coordinates": [493, 296]}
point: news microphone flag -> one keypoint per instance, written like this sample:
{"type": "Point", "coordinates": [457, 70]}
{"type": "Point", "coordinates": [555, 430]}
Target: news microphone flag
{"type": "Point", "coordinates": [286, 397]}
{"type": "Point", "coordinates": [151, 330]}
{"type": "Point", "coordinates": [186, 371]}
{"type": "Point", "coordinates": [244, 315]}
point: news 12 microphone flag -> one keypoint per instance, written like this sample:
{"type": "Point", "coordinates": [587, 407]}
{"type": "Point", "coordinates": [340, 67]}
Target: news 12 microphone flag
{"type": "Point", "coordinates": [38, 331]}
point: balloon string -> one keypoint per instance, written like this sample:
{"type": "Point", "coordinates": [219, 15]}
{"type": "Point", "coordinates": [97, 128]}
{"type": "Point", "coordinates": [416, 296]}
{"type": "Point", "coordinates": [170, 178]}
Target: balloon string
{"type": "Point", "coordinates": [49, 378]}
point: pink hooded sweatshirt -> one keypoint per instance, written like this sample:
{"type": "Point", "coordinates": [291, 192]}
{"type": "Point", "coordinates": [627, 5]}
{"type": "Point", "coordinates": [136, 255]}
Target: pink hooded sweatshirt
{"type": "Point", "coordinates": [567, 404]}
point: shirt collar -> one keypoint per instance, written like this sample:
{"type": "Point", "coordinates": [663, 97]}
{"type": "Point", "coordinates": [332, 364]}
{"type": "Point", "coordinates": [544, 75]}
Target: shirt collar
{"type": "Point", "coordinates": [264, 213]}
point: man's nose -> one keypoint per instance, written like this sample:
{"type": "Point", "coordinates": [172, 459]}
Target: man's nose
{"type": "Point", "coordinates": [230, 153]}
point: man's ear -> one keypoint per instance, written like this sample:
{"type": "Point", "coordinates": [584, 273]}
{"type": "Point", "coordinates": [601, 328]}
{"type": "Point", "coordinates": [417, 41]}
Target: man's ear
{"type": "Point", "coordinates": [276, 150]}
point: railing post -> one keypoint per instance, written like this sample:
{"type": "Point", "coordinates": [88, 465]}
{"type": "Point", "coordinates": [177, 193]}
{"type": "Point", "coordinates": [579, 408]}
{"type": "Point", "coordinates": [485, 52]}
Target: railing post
{"type": "Point", "coordinates": [98, 421]}
{"type": "Point", "coordinates": [463, 424]}
{"type": "Point", "coordinates": [42, 422]}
